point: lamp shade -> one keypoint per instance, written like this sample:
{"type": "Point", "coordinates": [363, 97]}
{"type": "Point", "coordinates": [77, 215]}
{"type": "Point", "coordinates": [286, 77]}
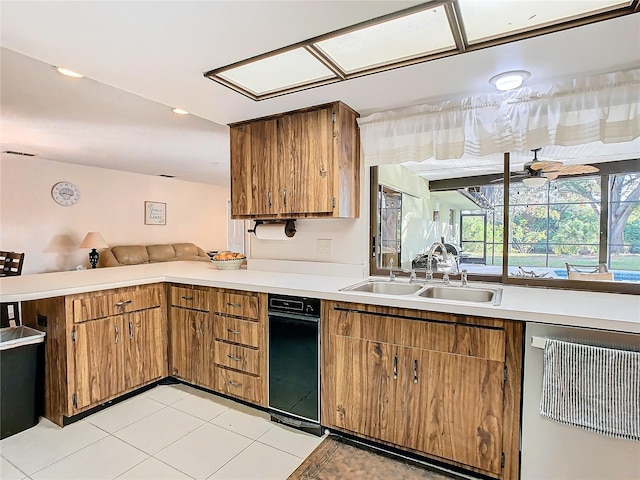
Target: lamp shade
{"type": "Point", "coordinates": [93, 240]}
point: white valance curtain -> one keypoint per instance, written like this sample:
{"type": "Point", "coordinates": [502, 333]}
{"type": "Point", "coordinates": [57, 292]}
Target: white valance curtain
{"type": "Point", "coordinates": [602, 108]}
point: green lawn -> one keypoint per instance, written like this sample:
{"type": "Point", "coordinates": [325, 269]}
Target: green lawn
{"type": "Point", "coordinates": [618, 262]}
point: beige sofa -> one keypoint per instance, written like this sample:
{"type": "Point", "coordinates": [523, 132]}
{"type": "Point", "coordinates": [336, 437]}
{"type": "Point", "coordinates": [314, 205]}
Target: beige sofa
{"type": "Point", "coordinates": [137, 254]}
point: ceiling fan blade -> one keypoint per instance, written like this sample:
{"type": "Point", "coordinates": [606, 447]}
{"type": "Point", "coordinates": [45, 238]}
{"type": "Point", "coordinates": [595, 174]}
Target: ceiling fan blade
{"type": "Point", "coordinates": [550, 175]}
{"type": "Point", "coordinates": [576, 169]}
{"type": "Point", "coordinates": [544, 165]}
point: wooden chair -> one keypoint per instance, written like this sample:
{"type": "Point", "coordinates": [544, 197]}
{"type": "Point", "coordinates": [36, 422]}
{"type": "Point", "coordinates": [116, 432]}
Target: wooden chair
{"type": "Point", "coordinates": [10, 266]}
{"type": "Point", "coordinates": [11, 263]}
{"type": "Point", "coordinates": [596, 272]}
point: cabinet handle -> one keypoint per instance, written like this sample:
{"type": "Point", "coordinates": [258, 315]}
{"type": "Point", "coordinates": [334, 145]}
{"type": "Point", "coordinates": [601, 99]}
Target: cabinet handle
{"type": "Point", "coordinates": [233, 384]}
{"type": "Point", "coordinates": [202, 327]}
{"type": "Point", "coordinates": [186, 298]}
{"type": "Point", "coordinates": [117, 333]}
{"type": "Point", "coordinates": [235, 332]}
{"type": "Point", "coordinates": [395, 367]}
{"type": "Point", "coordinates": [235, 359]}
{"type": "Point", "coordinates": [237, 305]}
{"type": "Point", "coordinates": [130, 330]}
{"type": "Point", "coordinates": [123, 303]}
{"type": "Point", "coordinates": [284, 196]}
{"type": "Point", "coordinates": [269, 203]}
{"type": "Point", "coordinates": [415, 371]}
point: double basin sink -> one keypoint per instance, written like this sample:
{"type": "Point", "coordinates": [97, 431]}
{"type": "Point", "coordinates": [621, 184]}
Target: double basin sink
{"type": "Point", "coordinates": [440, 292]}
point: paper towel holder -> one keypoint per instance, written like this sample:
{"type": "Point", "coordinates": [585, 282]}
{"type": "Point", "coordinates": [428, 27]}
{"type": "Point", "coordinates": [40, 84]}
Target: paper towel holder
{"type": "Point", "coordinates": [289, 226]}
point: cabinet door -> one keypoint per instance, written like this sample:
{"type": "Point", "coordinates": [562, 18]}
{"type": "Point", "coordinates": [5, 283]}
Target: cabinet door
{"type": "Point", "coordinates": [98, 357]}
{"type": "Point", "coordinates": [145, 347]}
{"type": "Point", "coordinates": [367, 391]}
{"type": "Point", "coordinates": [205, 371]}
{"type": "Point", "coordinates": [454, 408]}
{"type": "Point", "coordinates": [305, 147]}
{"type": "Point", "coordinates": [184, 342]}
{"type": "Point", "coordinates": [254, 169]}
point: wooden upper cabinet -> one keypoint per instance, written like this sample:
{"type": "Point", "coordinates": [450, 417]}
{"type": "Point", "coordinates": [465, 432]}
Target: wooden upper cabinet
{"type": "Point", "coordinates": [304, 163]}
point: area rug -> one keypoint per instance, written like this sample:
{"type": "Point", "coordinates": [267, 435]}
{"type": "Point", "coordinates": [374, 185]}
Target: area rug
{"type": "Point", "coordinates": [337, 459]}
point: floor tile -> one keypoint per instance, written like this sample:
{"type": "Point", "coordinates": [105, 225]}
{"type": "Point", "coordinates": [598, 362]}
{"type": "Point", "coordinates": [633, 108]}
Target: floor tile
{"type": "Point", "coordinates": [259, 462]}
{"type": "Point", "coordinates": [168, 394]}
{"type": "Point", "coordinates": [8, 471]}
{"type": "Point", "coordinates": [105, 459]}
{"type": "Point", "coordinates": [245, 421]}
{"type": "Point", "coordinates": [202, 405]}
{"type": "Point", "coordinates": [204, 451]}
{"type": "Point", "coordinates": [46, 443]}
{"type": "Point", "coordinates": [153, 469]}
{"type": "Point", "coordinates": [125, 413]}
{"type": "Point", "coordinates": [153, 433]}
{"type": "Point", "coordinates": [290, 440]}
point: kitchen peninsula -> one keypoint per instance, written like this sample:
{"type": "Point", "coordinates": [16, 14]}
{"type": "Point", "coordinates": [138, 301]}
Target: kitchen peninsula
{"type": "Point", "coordinates": [485, 337]}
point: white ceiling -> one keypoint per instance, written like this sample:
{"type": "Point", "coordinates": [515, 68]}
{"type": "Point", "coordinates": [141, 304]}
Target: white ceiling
{"type": "Point", "coordinates": [159, 50]}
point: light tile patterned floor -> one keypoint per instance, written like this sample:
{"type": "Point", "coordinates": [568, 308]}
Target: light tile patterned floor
{"type": "Point", "coordinates": [169, 432]}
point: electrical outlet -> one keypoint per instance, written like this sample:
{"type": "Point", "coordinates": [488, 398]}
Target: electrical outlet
{"type": "Point", "coordinates": [324, 246]}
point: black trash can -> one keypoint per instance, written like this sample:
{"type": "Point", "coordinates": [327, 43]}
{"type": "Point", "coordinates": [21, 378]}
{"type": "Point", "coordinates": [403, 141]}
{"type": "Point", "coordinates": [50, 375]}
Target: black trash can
{"type": "Point", "coordinates": [21, 354]}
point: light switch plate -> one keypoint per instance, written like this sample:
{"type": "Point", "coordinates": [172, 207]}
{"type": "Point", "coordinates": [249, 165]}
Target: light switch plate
{"type": "Point", "coordinates": [324, 246]}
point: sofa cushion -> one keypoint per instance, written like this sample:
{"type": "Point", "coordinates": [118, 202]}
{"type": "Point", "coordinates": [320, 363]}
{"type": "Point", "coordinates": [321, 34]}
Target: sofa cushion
{"type": "Point", "coordinates": [131, 254]}
{"type": "Point", "coordinates": [185, 249]}
{"type": "Point", "coordinates": [161, 253]}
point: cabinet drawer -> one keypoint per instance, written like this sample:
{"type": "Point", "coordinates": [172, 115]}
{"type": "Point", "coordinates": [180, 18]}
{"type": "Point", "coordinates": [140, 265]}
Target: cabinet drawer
{"type": "Point", "coordinates": [238, 358]}
{"type": "Point", "coordinates": [241, 385]}
{"type": "Point", "coordinates": [239, 305]}
{"type": "Point", "coordinates": [121, 302]}
{"type": "Point", "coordinates": [236, 330]}
{"type": "Point", "coordinates": [91, 308]}
{"type": "Point", "coordinates": [101, 306]}
{"type": "Point", "coordinates": [190, 298]}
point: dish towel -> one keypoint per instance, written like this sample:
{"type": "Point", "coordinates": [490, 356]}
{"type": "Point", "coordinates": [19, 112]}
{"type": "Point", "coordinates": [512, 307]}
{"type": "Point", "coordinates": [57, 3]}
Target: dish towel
{"type": "Point", "coordinates": [592, 387]}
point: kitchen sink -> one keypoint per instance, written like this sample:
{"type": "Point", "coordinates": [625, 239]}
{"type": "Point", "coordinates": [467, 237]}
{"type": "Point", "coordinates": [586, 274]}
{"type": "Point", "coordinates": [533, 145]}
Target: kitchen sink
{"type": "Point", "coordinates": [384, 287]}
{"type": "Point", "coordinates": [464, 294]}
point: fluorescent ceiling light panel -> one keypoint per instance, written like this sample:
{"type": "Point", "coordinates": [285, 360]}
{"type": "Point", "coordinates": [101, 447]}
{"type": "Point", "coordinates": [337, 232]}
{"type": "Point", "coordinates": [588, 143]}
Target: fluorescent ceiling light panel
{"type": "Point", "coordinates": [277, 72]}
{"type": "Point", "coordinates": [417, 34]}
{"type": "Point", "coordinates": [410, 36]}
{"type": "Point", "coordinates": [481, 22]}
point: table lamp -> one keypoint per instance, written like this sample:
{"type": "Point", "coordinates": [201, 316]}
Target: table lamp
{"type": "Point", "coordinates": [93, 240]}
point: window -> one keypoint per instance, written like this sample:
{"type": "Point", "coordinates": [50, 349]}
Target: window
{"type": "Point", "coordinates": [585, 220]}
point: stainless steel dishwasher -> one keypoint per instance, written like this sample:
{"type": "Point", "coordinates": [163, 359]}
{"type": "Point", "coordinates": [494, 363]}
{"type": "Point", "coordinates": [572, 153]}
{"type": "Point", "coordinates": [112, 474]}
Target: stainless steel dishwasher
{"type": "Point", "coordinates": [294, 351]}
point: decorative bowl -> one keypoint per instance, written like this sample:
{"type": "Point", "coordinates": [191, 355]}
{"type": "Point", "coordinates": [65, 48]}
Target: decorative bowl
{"type": "Point", "coordinates": [233, 264]}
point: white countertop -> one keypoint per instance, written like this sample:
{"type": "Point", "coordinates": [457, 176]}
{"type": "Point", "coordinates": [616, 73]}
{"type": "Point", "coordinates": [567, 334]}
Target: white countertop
{"type": "Point", "coordinates": [606, 311]}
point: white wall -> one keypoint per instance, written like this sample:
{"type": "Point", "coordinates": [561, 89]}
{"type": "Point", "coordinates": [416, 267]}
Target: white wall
{"type": "Point", "coordinates": [111, 202]}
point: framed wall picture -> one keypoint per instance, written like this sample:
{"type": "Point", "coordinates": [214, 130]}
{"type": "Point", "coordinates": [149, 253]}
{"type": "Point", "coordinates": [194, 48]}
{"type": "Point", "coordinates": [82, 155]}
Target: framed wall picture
{"type": "Point", "coordinates": [155, 213]}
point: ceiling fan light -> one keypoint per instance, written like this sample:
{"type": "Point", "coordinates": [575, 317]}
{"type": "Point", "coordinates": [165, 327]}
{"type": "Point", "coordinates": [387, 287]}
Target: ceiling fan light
{"type": "Point", "coordinates": [509, 80]}
{"type": "Point", "coordinates": [534, 181]}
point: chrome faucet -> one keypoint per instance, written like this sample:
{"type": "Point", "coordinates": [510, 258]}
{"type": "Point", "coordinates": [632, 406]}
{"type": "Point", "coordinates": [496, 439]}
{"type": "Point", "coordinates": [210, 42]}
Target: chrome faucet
{"type": "Point", "coordinates": [463, 278]}
{"type": "Point", "coordinates": [432, 249]}
{"type": "Point", "coordinates": [392, 277]}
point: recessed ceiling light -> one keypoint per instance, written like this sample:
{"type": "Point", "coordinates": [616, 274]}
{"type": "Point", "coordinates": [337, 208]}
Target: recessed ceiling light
{"type": "Point", "coordinates": [179, 111]}
{"type": "Point", "coordinates": [509, 80]}
{"type": "Point", "coordinates": [68, 73]}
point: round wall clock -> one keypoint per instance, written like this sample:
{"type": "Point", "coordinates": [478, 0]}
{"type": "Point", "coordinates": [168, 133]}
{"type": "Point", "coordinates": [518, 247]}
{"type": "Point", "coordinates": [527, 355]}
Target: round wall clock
{"type": "Point", "coordinates": [65, 193]}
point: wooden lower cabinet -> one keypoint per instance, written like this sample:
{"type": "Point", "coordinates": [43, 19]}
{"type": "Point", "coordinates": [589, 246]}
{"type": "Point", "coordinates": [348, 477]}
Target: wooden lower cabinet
{"type": "Point", "coordinates": [192, 346]}
{"type": "Point", "coordinates": [145, 347]}
{"type": "Point", "coordinates": [99, 345]}
{"type": "Point", "coordinates": [191, 335]}
{"type": "Point", "coordinates": [99, 360]}
{"type": "Point", "coordinates": [450, 399]}
{"type": "Point", "coordinates": [240, 331]}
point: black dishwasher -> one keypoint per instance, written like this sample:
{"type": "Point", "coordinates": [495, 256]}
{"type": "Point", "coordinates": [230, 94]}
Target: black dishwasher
{"type": "Point", "coordinates": [294, 351]}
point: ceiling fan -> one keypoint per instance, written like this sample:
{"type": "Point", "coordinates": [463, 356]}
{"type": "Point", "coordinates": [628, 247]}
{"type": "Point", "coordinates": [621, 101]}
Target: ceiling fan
{"type": "Point", "coordinates": [537, 172]}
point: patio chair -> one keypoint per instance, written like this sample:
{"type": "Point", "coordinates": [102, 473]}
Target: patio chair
{"type": "Point", "coordinates": [596, 272]}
